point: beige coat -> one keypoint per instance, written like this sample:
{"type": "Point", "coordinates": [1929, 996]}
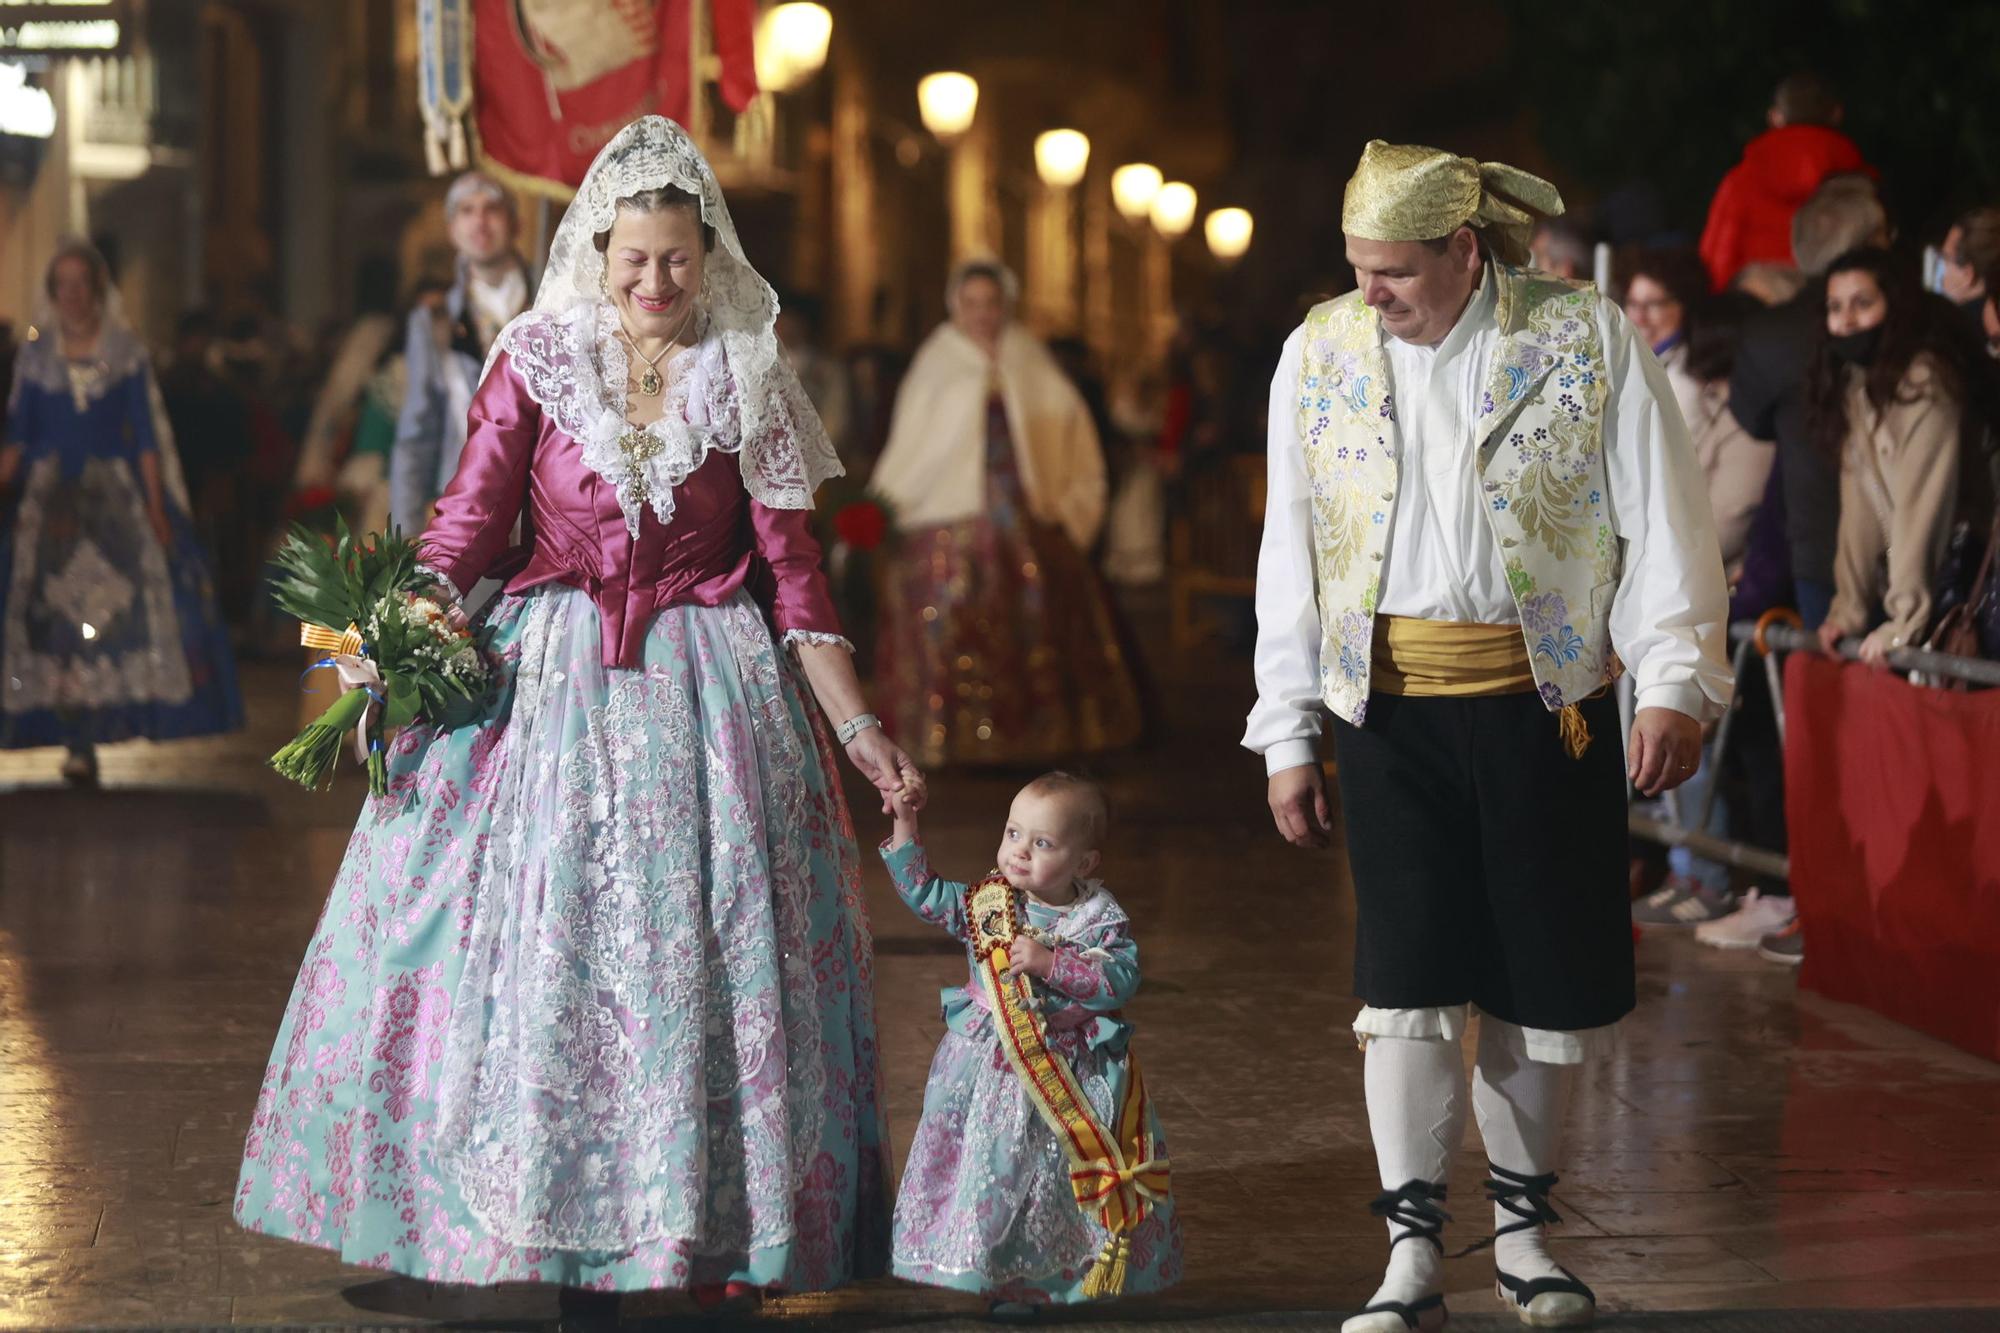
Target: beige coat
{"type": "Point", "coordinates": [1736, 465]}
{"type": "Point", "coordinates": [1898, 488]}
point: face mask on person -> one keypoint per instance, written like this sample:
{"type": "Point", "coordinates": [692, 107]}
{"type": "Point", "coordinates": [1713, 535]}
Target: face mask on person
{"type": "Point", "coordinates": [1857, 348]}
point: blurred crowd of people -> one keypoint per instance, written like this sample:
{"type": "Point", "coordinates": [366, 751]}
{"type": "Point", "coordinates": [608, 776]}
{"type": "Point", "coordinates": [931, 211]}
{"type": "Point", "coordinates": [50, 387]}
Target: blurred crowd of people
{"type": "Point", "coordinates": [1839, 385]}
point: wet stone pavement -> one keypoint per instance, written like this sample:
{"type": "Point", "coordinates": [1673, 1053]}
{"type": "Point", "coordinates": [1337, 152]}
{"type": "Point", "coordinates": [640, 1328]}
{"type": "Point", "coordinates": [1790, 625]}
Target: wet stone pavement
{"type": "Point", "coordinates": [1750, 1147]}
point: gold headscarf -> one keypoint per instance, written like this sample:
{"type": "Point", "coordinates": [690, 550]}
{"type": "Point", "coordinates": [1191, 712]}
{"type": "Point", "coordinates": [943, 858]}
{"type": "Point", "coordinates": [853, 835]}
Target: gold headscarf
{"type": "Point", "coordinates": [1406, 192]}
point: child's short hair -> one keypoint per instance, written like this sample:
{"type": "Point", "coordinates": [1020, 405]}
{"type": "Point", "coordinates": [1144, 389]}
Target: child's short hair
{"type": "Point", "coordinates": [1087, 795]}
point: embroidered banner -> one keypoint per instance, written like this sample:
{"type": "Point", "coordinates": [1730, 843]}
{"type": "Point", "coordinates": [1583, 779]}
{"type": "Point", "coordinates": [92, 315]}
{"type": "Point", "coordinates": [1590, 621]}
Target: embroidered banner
{"type": "Point", "coordinates": [553, 80]}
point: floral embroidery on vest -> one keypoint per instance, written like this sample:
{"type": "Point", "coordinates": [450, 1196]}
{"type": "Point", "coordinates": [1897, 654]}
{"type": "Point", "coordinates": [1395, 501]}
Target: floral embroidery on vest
{"type": "Point", "coordinates": [1540, 458]}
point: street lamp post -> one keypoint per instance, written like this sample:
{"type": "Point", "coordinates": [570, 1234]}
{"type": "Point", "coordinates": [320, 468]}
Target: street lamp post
{"type": "Point", "coordinates": [791, 45]}
{"type": "Point", "coordinates": [1173, 209]}
{"type": "Point", "coordinates": [1228, 233]}
{"type": "Point", "coordinates": [1062, 157]}
{"type": "Point", "coordinates": [1171, 214]}
{"type": "Point", "coordinates": [1134, 186]}
{"type": "Point", "coordinates": [948, 101]}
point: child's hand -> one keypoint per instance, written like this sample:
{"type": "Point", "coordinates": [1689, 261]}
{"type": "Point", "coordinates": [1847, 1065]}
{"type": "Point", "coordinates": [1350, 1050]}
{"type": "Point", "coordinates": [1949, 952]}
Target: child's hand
{"type": "Point", "coordinates": [1029, 955]}
{"type": "Point", "coordinates": [904, 805]}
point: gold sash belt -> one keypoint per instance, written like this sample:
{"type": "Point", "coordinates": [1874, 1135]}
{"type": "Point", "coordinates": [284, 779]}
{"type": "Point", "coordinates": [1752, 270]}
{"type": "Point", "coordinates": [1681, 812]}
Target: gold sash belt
{"type": "Point", "coordinates": [1449, 658]}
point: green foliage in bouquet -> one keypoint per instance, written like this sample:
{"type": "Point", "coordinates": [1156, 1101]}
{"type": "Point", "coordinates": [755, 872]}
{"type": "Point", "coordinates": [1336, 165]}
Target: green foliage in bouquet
{"type": "Point", "coordinates": [381, 618]}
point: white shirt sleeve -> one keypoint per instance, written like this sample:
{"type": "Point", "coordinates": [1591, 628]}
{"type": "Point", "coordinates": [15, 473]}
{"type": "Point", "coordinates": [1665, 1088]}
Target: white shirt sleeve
{"type": "Point", "coordinates": [1669, 621]}
{"type": "Point", "coordinates": [1285, 722]}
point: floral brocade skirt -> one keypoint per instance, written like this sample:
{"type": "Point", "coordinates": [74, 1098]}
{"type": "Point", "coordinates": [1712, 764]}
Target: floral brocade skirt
{"type": "Point", "coordinates": [999, 646]}
{"type": "Point", "coordinates": [591, 1001]}
{"type": "Point", "coordinates": [986, 1205]}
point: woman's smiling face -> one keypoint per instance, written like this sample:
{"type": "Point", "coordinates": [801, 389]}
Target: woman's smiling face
{"type": "Point", "coordinates": [653, 269]}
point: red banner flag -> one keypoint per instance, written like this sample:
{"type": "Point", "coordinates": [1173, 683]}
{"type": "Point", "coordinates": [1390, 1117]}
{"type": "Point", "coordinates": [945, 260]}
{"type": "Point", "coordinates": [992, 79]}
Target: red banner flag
{"type": "Point", "coordinates": [555, 79]}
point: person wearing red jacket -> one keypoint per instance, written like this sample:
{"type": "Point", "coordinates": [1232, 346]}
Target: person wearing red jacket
{"type": "Point", "coordinates": [1750, 219]}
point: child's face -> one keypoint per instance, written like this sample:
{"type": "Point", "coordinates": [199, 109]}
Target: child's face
{"type": "Point", "coordinates": [1044, 849]}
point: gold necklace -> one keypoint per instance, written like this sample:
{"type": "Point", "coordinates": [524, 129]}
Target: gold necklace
{"type": "Point", "coordinates": [650, 382]}
{"type": "Point", "coordinates": [649, 379]}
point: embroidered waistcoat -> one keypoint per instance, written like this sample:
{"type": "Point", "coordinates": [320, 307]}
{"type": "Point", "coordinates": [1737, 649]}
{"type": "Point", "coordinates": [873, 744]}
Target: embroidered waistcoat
{"type": "Point", "coordinates": [1540, 460]}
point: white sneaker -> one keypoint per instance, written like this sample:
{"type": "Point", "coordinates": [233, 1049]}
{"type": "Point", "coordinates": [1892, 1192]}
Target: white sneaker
{"type": "Point", "coordinates": [1760, 915]}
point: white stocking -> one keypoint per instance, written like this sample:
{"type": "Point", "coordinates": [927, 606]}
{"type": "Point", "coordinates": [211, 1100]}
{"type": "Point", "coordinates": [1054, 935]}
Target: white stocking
{"type": "Point", "coordinates": [1416, 1114]}
{"type": "Point", "coordinates": [1520, 1103]}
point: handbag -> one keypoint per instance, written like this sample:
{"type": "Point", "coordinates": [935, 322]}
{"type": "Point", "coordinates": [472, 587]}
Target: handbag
{"type": "Point", "coordinates": [1971, 628]}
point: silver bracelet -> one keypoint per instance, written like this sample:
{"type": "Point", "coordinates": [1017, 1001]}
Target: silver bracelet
{"type": "Point", "coordinates": [855, 725]}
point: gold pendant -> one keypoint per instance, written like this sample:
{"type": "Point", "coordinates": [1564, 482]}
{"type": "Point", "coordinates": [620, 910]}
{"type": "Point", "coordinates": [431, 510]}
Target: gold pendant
{"type": "Point", "coordinates": [649, 382]}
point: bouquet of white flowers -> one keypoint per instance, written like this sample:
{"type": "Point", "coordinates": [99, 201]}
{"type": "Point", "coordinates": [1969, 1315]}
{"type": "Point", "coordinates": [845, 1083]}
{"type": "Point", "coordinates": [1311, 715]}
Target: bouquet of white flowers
{"type": "Point", "coordinates": [405, 652]}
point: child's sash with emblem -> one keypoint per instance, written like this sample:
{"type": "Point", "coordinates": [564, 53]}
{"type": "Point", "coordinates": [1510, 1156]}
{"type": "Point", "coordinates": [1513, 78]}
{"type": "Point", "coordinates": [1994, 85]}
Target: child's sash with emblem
{"type": "Point", "coordinates": [1114, 1173]}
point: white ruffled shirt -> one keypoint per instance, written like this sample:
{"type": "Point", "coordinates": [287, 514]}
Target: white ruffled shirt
{"type": "Point", "coordinates": [1669, 621]}
{"type": "Point", "coordinates": [491, 306]}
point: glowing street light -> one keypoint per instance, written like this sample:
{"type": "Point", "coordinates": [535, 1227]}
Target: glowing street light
{"type": "Point", "coordinates": [1060, 157]}
{"type": "Point", "coordinates": [947, 101]}
{"type": "Point", "coordinates": [1134, 186]}
{"type": "Point", "coordinates": [1173, 209]}
{"type": "Point", "coordinates": [1228, 231]}
{"type": "Point", "coordinates": [791, 45]}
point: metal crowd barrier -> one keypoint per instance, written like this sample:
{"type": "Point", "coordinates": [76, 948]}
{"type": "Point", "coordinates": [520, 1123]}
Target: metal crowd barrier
{"type": "Point", "coordinates": [1778, 638]}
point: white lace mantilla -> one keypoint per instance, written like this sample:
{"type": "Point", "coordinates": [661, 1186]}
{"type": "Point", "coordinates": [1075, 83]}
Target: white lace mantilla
{"type": "Point", "coordinates": [755, 405]}
{"type": "Point", "coordinates": [575, 367]}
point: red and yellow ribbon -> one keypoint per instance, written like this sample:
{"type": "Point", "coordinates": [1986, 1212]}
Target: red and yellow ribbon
{"type": "Point", "coordinates": [1113, 1172]}
{"type": "Point", "coordinates": [324, 640]}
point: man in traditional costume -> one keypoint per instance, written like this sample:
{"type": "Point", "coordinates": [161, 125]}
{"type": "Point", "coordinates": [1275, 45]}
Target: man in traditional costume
{"type": "Point", "coordinates": [492, 286]}
{"type": "Point", "coordinates": [1482, 500]}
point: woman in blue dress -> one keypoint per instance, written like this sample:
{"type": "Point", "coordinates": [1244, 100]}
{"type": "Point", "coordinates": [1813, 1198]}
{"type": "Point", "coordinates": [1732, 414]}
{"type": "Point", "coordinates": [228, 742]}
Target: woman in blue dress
{"type": "Point", "coordinates": [108, 621]}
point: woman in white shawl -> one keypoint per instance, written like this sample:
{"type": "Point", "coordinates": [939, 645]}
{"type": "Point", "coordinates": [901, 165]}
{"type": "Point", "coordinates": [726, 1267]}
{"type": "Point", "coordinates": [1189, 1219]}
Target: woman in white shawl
{"type": "Point", "coordinates": [998, 645]}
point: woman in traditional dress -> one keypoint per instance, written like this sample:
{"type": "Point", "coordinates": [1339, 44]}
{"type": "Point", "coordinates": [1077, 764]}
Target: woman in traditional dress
{"type": "Point", "coordinates": [108, 621]}
{"type": "Point", "coordinates": [592, 1000]}
{"type": "Point", "coordinates": [998, 642]}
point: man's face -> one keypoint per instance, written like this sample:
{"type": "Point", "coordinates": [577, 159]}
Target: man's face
{"type": "Point", "coordinates": [482, 228]}
{"type": "Point", "coordinates": [1420, 292]}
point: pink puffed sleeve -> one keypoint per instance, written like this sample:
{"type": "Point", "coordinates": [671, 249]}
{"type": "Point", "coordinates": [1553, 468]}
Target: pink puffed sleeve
{"type": "Point", "coordinates": [803, 607]}
{"type": "Point", "coordinates": [476, 513]}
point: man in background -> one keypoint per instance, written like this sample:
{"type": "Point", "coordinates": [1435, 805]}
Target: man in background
{"type": "Point", "coordinates": [491, 288]}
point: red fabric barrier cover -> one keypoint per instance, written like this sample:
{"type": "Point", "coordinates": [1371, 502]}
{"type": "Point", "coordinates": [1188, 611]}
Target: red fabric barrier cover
{"type": "Point", "coordinates": [1892, 799]}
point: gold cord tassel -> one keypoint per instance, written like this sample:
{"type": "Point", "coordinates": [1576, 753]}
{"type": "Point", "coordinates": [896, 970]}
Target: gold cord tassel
{"type": "Point", "coordinates": [1575, 731]}
{"type": "Point", "coordinates": [457, 150]}
{"type": "Point", "coordinates": [1107, 1271]}
{"type": "Point", "coordinates": [434, 154]}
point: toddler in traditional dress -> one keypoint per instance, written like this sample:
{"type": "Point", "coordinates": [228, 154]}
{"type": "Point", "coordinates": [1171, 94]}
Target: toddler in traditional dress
{"type": "Point", "coordinates": [1039, 1173]}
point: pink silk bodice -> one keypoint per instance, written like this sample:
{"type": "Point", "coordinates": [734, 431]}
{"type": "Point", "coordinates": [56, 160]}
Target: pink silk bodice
{"type": "Point", "coordinates": [519, 464]}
